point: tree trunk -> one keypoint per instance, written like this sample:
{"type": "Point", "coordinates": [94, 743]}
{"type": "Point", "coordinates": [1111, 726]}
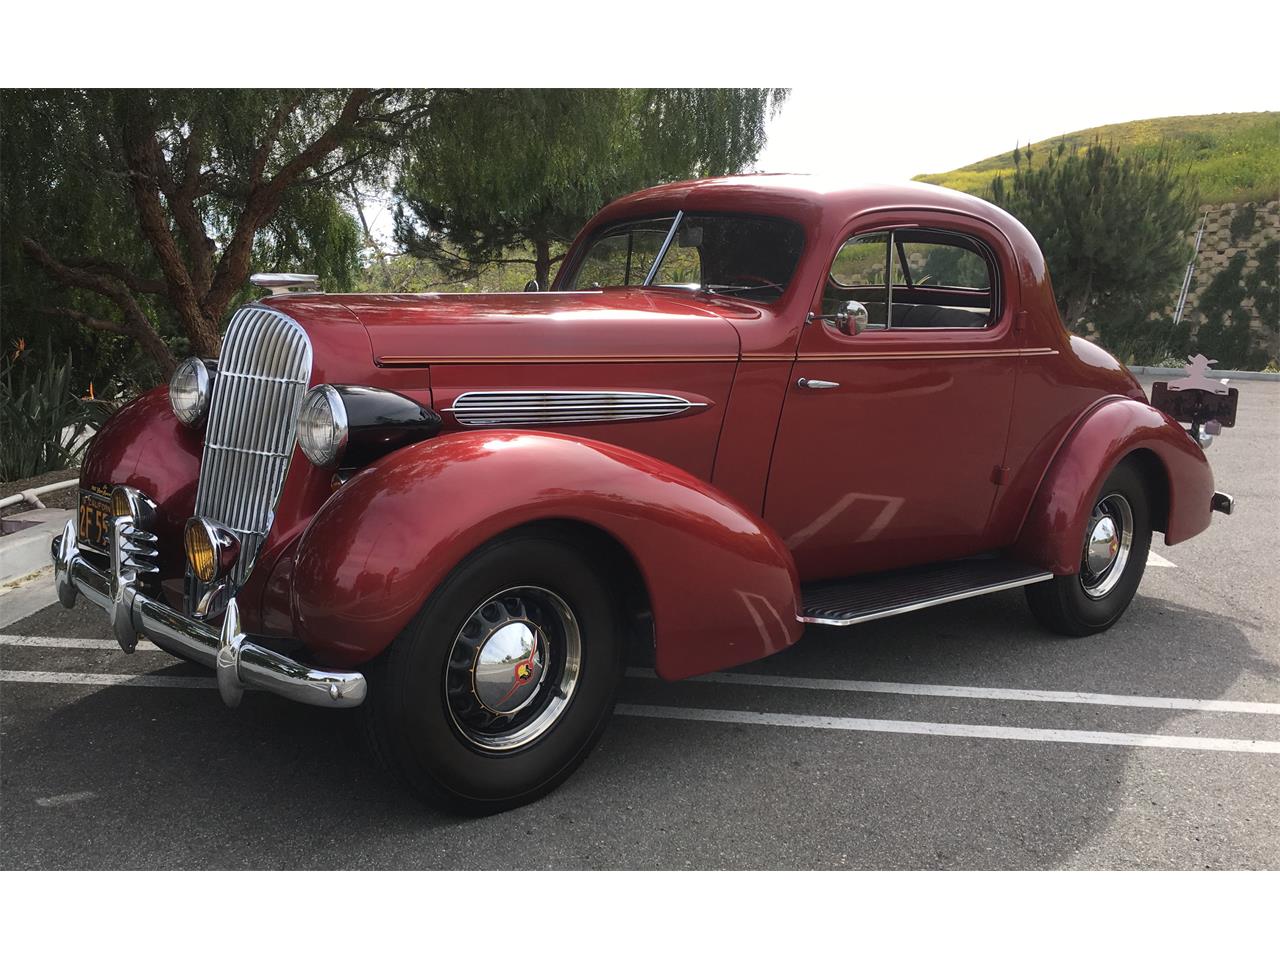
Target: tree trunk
{"type": "Point", "coordinates": [542, 262]}
{"type": "Point", "coordinates": [1077, 306]}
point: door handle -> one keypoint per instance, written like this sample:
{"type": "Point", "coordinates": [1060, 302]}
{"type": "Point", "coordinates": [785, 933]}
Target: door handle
{"type": "Point", "coordinates": [806, 384]}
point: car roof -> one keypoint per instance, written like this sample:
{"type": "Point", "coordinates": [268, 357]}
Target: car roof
{"type": "Point", "coordinates": [800, 196]}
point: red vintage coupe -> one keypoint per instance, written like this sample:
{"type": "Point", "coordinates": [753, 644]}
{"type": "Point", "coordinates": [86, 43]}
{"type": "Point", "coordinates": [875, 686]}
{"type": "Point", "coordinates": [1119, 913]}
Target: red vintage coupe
{"type": "Point", "coordinates": [748, 404]}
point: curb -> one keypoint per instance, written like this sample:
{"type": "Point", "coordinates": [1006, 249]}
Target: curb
{"type": "Point", "coordinates": [27, 596]}
{"type": "Point", "coordinates": [25, 551]}
{"type": "Point", "coordinates": [1217, 374]}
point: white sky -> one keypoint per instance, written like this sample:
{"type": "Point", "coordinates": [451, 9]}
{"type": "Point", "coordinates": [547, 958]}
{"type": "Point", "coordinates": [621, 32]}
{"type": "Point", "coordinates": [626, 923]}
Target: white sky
{"type": "Point", "coordinates": [888, 143]}
{"type": "Point", "coordinates": [931, 102]}
{"type": "Point", "coordinates": [880, 91]}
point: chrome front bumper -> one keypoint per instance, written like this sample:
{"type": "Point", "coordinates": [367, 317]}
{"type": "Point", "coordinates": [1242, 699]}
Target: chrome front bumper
{"type": "Point", "coordinates": [240, 664]}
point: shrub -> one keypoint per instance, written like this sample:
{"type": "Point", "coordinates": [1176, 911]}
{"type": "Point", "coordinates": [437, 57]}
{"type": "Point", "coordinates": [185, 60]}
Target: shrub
{"type": "Point", "coordinates": [44, 426]}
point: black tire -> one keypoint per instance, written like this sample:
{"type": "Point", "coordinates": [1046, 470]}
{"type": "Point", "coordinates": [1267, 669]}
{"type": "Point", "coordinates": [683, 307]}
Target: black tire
{"type": "Point", "coordinates": [412, 723]}
{"type": "Point", "coordinates": [1064, 604]}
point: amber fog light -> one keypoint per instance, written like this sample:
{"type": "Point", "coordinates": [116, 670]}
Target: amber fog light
{"type": "Point", "coordinates": [211, 550]}
{"type": "Point", "coordinates": [120, 506]}
{"type": "Point", "coordinates": [134, 505]}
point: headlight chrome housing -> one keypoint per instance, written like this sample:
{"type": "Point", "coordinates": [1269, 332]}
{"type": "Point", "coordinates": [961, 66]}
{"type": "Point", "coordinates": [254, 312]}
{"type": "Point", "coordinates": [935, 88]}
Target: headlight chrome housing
{"type": "Point", "coordinates": [322, 426]}
{"type": "Point", "coordinates": [189, 390]}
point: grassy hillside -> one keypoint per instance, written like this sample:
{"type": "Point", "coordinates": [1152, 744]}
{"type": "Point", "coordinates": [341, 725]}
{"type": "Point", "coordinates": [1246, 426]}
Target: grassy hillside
{"type": "Point", "coordinates": [1234, 157]}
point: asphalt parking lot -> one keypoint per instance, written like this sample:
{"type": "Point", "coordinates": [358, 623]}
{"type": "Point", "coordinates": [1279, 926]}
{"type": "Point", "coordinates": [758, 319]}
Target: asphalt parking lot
{"type": "Point", "coordinates": [957, 737]}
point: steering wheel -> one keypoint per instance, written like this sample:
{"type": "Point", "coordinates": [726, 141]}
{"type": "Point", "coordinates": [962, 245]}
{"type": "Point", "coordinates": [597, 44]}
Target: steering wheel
{"type": "Point", "coordinates": [755, 281]}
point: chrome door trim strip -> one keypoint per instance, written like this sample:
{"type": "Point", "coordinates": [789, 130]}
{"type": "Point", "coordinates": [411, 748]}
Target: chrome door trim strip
{"type": "Point", "coordinates": [409, 361]}
{"type": "Point", "coordinates": [933, 354]}
{"type": "Point", "coordinates": [488, 408]}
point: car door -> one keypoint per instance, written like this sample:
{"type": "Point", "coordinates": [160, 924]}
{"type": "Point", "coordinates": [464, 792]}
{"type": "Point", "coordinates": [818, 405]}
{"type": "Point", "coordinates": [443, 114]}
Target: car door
{"type": "Point", "coordinates": [893, 429]}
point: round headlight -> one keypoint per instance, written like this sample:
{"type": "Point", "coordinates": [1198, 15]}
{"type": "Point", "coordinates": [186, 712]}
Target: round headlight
{"type": "Point", "coordinates": [322, 426]}
{"type": "Point", "coordinates": [189, 390]}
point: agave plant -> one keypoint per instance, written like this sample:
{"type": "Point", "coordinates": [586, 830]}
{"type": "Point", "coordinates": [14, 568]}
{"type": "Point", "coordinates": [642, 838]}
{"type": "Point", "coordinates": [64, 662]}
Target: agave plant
{"type": "Point", "coordinates": [44, 426]}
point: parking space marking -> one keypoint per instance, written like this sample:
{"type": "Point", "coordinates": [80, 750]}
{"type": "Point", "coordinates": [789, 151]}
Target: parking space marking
{"type": "Point", "coordinates": [976, 693]}
{"type": "Point", "coordinates": [107, 679]}
{"type": "Point", "coordinates": [810, 721]}
{"type": "Point", "coordinates": [1155, 560]}
{"type": "Point", "coordinates": [974, 731]}
{"type": "Point", "coordinates": [69, 643]}
{"type": "Point", "coordinates": [63, 799]}
{"type": "Point", "coordinates": [740, 679]}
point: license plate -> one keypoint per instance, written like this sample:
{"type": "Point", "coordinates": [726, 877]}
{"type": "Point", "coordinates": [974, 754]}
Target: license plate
{"type": "Point", "coordinates": [1196, 406]}
{"type": "Point", "coordinates": [95, 519]}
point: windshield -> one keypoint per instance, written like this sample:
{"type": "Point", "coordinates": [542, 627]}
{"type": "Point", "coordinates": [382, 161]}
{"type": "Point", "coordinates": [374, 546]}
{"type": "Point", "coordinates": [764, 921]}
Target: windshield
{"type": "Point", "coordinates": [740, 256]}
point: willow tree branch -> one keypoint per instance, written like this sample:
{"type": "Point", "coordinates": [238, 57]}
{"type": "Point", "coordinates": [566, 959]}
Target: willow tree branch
{"type": "Point", "coordinates": [126, 276]}
{"type": "Point", "coordinates": [136, 324]}
{"type": "Point", "coordinates": [146, 163]}
{"type": "Point", "coordinates": [84, 319]}
{"type": "Point", "coordinates": [265, 197]}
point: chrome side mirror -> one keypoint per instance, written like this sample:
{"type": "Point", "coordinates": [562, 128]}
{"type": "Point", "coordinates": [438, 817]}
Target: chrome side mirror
{"type": "Point", "coordinates": [850, 318]}
{"type": "Point", "coordinates": [531, 287]}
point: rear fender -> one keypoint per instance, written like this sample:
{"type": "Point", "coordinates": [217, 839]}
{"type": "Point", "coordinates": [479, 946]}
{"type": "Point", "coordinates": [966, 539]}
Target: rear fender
{"type": "Point", "coordinates": [721, 586]}
{"type": "Point", "coordinates": [1177, 471]}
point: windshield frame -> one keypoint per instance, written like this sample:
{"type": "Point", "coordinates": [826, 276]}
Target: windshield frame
{"type": "Point", "coordinates": [572, 267]}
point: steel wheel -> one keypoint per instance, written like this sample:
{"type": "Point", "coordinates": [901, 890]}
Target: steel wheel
{"type": "Point", "coordinates": [1107, 546]}
{"type": "Point", "coordinates": [513, 668]}
{"type": "Point", "coordinates": [498, 689]}
{"type": "Point", "coordinates": [1117, 536]}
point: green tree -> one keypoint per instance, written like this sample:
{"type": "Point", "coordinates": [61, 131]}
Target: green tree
{"type": "Point", "coordinates": [142, 212]}
{"type": "Point", "coordinates": [1112, 228]}
{"type": "Point", "coordinates": [510, 176]}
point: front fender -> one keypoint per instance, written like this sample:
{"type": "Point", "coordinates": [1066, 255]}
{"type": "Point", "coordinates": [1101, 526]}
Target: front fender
{"type": "Point", "coordinates": [144, 446]}
{"type": "Point", "coordinates": [722, 586]}
{"type": "Point", "coordinates": [1053, 531]}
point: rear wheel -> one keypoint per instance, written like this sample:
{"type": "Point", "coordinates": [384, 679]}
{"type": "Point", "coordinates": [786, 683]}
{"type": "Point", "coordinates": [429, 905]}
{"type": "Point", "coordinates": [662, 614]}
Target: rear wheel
{"type": "Point", "coordinates": [1113, 558]}
{"type": "Point", "coordinates": [504, 681]}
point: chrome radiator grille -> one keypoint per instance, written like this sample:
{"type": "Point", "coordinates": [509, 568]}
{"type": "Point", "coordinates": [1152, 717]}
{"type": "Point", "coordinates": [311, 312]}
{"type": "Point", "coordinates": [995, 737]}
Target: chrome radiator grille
{"type": "Point", "coordinates": [262, 375]}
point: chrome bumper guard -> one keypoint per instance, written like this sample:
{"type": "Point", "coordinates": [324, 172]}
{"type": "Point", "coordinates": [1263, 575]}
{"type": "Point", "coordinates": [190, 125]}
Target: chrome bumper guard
{"type": "Point", "coordinates": [1222, 502]}
{"type": "Point", "coordinates": [239, 663]}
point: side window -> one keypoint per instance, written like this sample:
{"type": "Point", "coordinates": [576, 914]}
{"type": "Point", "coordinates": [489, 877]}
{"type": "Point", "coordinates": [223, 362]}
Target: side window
{"type": "Point", "coordinates": [913, 279]}
{"type": "Point", "coordinates": [945, 265]}
{"type": "Point", "coordinates": [858, 273]}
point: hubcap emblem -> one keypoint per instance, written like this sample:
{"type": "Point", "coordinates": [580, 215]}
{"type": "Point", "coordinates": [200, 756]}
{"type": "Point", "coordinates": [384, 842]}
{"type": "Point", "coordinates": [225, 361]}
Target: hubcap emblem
{"type": "Point", "coordinates": [509, 667]}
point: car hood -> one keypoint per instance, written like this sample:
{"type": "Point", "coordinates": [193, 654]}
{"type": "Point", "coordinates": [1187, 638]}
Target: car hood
{"type": "Point", "coordinates": [578, 326]}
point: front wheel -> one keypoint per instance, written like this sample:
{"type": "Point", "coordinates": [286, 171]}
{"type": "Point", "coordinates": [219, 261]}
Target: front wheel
{"type": "Point", "coordinates": [504, 681]}
{"type": "Point", "coordinates": [1113, 558]}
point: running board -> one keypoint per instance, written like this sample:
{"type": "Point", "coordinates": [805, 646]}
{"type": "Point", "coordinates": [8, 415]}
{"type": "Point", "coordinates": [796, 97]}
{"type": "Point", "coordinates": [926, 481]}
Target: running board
{"type": "Point", "coordinates": [841, 603]}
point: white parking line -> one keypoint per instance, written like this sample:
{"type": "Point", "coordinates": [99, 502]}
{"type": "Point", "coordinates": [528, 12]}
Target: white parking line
{"type": "Point", "coordinates": [62, 799]}
{"type": "Point", "coordinates": [107, 679]}
{"type": "Point", "coordinates": [976, 693]}
{"type": "Point", "coordinates": [977, 731]}
{"type": "Point", "coordinates": [1155, 560]}
{"type": "Point", "coordinates": [792, 683]}
{"type": "Point", "coordinates": [69, 643]}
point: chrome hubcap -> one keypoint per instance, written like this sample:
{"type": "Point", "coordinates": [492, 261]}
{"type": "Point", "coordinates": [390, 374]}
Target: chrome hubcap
{"type": "Point", "coordinates": [510, 666]}
{"type": "Point", "coordinates": [513, 668]}
{"type": "Point", "coordinates": [1106, 546]}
